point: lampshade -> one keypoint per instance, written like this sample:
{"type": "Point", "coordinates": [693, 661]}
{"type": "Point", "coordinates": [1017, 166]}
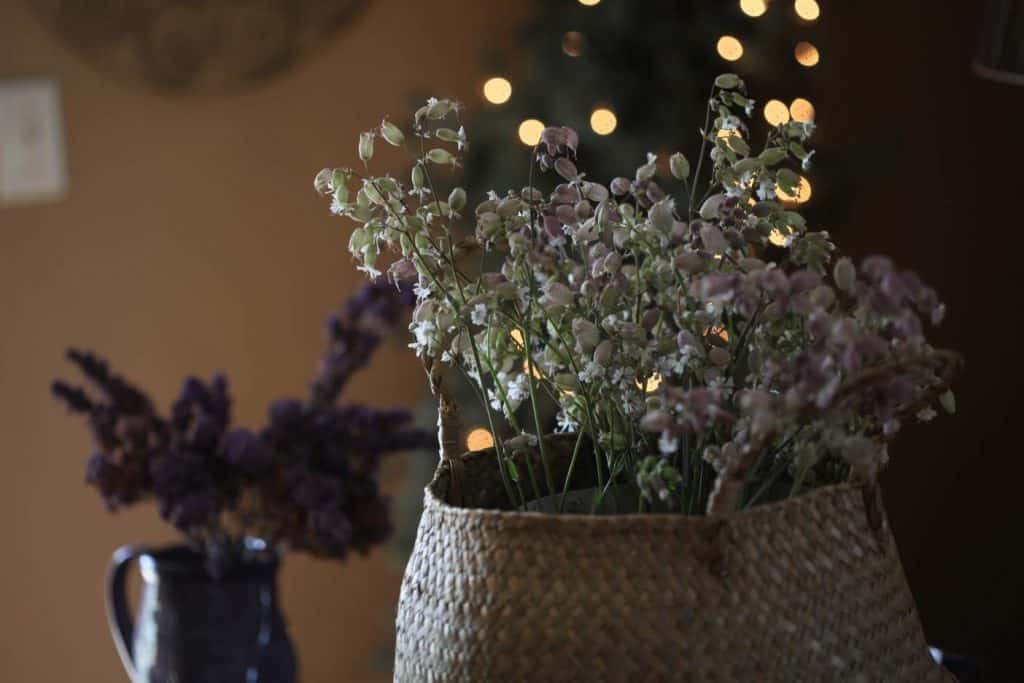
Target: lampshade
{"type": "Point", "coordinates": [1001, 53]}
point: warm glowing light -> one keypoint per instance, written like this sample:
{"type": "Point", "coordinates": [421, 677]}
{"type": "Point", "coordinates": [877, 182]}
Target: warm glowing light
{"type": "Point", "coordinates": [806, 54]}
{"type": "Point", "coordinates": [779, 238]}
{"type": "Point", "coordinates": [517, 337]}
{"type": "Point", "coordinates": [801, 110]}
{"type": "Point", "coordinates": [650, 385]}
{"type": "Point", "coordinates": [719, 331]}
{"type": "Point", "coordinates": [530, 368]}
{"type": "Point", "coordinates": [573, 43]}
{"type": "Point", "coordinates": [603, 121]}
{"type": "Point", "coordinates": [753, 8]}
{"type": "Point", "coordinates": [724, 134]}
{"type": "Point", "coordinates": [776, 112]}
{"type": "Point", "coordinates": [497, 90]}
{"type": "Point", "coordinates": [803, 192]}
{"type": "Point", "coordinates": [729, 48]}
{"type": "Point", "coordinates": [807, 9]}
{"type": "Point", "coordinates": [478, 439]}
{"type": "Point", "coordinates": [529, 131]}
{"type": "Point", "coordinates": [589, 3]}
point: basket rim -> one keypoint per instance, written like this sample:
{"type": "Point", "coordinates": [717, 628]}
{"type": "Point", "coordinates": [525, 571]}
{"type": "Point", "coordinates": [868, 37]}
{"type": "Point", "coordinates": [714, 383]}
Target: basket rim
{"type": "Point", "coordinates": [432, 500]}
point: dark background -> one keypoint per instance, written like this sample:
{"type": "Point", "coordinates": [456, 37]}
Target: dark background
{"type": "Point", "coordinates": [945, 200]}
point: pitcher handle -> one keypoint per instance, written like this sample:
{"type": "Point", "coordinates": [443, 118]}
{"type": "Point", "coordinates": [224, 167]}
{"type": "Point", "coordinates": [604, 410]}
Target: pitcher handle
{"type": "Point", "coordinates": [119, 616]}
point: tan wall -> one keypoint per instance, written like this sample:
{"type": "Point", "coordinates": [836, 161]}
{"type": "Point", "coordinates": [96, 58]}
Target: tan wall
{"type": "Point", "coordinates": [191, 241]}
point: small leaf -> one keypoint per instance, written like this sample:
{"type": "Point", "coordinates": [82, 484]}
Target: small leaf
{"type": "Point", "coordinates": [772, 156]}
{"type": "Point", "coordinates": [728, 81]}
{"type": "Point", "coordinates": [787, 180]}
{"type": "Point", "coordinates": [738, 144]}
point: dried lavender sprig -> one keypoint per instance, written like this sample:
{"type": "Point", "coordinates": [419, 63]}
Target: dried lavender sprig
{"type": "Point", "coordinates": [354, 334]}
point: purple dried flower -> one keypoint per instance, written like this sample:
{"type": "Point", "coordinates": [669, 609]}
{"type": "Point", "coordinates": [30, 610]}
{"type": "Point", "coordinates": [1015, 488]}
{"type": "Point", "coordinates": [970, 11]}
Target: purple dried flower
{"type": "Point", "coordinates": [248, 452]}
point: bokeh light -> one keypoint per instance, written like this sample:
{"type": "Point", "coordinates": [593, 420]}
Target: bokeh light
{"type": "Point", "coordinates": [573, 43]}
{"type": "Point", "coordinates": [806, 54]}
{"type": "Point", "coordinates": [808, 10]}
{"type": "Point", "coordinates": [589, 3]}
{"type": "Point", "coordinates": [729, 48]}
{"type": "Point", "coordinates": [801, 110]}
{"type": "Point", "coordinates": [650, 385]}
{"type": "Point", "coordinates": [530, 130]}
{"type": "Point", "coordinates": [776, 112]}
{"type": "Point", "coordinates": [803, 192]}
{"type": "Point", "coordinates": [753, 8]}
{"type": "Point", "coordinates": [478, 439]}
{"type": "Point", "coordinates": [497, 90]}
{"type": "Point", "coordinates": [603, 121]}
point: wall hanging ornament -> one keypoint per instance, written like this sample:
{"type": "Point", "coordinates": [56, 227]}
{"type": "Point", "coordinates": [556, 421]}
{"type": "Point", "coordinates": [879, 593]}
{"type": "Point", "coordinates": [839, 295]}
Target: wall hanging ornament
{"type": "Point", "coordinates": [191, 47]}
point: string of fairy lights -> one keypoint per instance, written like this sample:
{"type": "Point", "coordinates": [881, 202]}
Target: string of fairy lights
{"type": "Point", "coordinates": [497, 90]}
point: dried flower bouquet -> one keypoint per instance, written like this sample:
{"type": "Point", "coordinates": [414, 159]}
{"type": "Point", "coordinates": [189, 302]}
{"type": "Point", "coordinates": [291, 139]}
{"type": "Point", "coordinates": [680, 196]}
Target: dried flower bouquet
{"type": "Point", "coordinates": [306, 481]}
{"type": "Point", "coordinates": [689, 325]}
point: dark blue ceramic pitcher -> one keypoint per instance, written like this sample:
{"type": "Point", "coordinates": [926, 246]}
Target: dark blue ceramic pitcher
{"type": "Point", "coordinates": [195, 628]}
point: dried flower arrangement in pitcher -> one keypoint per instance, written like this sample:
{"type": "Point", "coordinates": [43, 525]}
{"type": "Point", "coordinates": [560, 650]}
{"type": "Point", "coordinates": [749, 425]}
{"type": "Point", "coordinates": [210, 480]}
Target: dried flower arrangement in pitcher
{"type": "Point", "coordinates": [306, 481]}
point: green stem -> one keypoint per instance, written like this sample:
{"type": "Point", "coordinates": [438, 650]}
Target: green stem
{"type": "Point", "coordinates": [572, 466]}
{"type": "Point", "coordinates": [533, 405]}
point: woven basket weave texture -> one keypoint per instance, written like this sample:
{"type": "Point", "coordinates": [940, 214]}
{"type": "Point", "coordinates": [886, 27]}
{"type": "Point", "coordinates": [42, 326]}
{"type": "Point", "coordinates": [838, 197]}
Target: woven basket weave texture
{"type": "Point", "coordinates": [803, 590]}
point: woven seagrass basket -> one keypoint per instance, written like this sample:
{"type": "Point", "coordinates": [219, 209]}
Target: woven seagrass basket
{"type": "Point", "coordinates": [810, 589]}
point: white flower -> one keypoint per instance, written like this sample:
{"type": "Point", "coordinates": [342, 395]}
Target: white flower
{"type": "Point", "coordinates": [425, 332]}
{"type": "Point", "coordinates": [479, 314]}
{"type": "Point", "coordinates": [566, 423]}
{"type": "Point", "coordinates": [926, 414]}
{"type": "Point", "coordinates": [518, 390]}
{"type": "Point", "coordinates": [369, 270]}
{"type": "Point", "coordinates": [668, 444]}
{"type": "Point", "coordinates": [729, 123]}
{"type": "Point", "coordinates": [590, 372]}
{"type": "Point", "coordinates": [766, 189]}
{"type": "Point", "coordinates": [420, 291]}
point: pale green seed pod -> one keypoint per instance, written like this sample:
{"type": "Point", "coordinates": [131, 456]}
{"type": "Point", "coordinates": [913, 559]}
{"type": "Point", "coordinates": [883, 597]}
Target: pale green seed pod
{"type": "Point", "coordinates": [661, 216]}
{"type": "Point", "coordinates": [366, 146]}
{"type": "Point", "coordinates": [728, 81]}
{"type": "Point", "coordinates": [567, 381]}
{"type": "Point", "coordinates": [391, 133]}
{"type": "Point", "coordinates": [446, 134]}
{"type": "Point", "coordinates": [772, 156]}
{"type": "Point", "coordinates": [359, 240]}
{"type": "Point", "coordinates": [457, 199]}
{"type": "Point", "coordinates": [440, 156]}
{"type": "Point", "coordinates": [438, 109]}
{"type": "Point", "coordinates": [418, 177]}
{"type": "Point", "coordinates": [341, 194]}
{"type": "Point", "coordinates": [679, 166]}
{"type": "Point", "coordinates": [323, 183]}
{"type": "Point", "coordinates": [372, 193]}
{"type": "Point", "coordinates": [845, 275]}
{"type": "Point", "coordinates": [603, 353]}
{"type": "Point", "coordinates": [948, 401]}
{"type": "Point", "coordinates": [718, 356]}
